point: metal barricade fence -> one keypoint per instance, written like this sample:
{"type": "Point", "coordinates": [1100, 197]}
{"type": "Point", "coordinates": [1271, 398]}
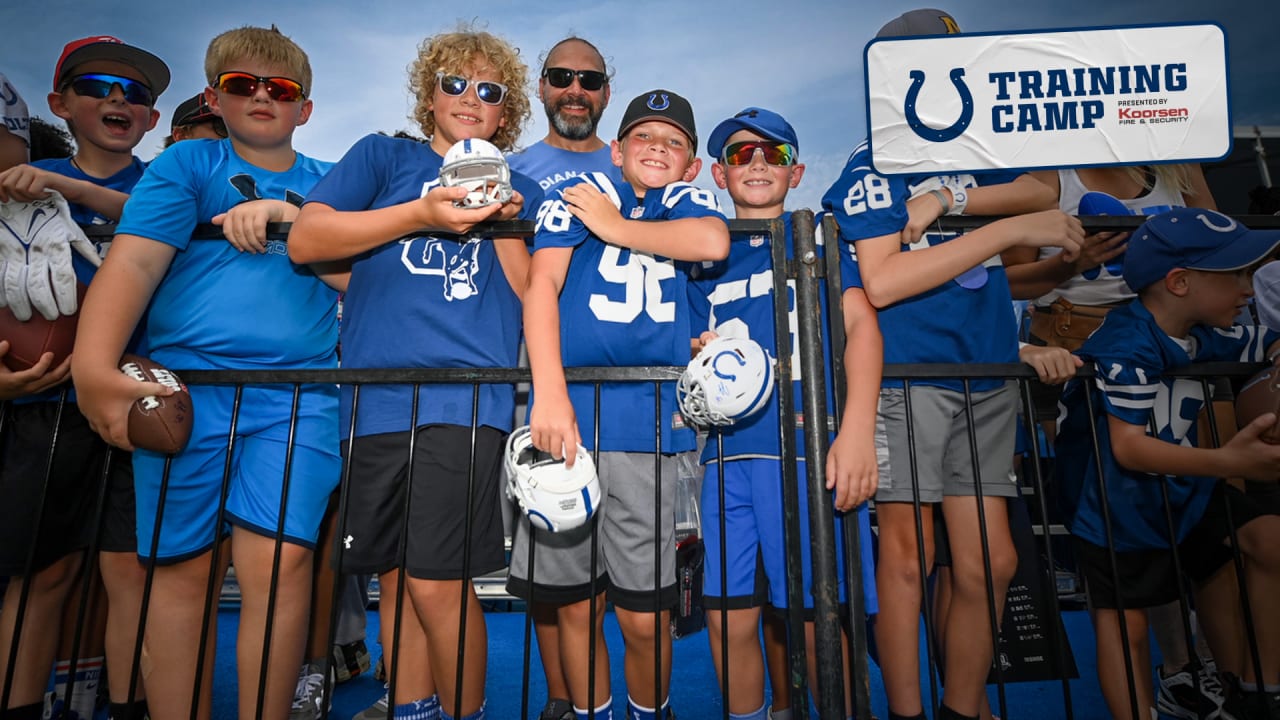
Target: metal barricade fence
{"type": "Point", "coordinates": [811, 266]}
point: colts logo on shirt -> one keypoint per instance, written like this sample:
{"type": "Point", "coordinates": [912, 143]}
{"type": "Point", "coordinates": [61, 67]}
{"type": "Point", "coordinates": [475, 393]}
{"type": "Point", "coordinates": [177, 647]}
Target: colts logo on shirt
{"type": "Point", "coordinates": [456, 264]}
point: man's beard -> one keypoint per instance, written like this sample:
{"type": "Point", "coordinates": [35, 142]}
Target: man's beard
{"type": "Point", "coordinates": [574, 128]}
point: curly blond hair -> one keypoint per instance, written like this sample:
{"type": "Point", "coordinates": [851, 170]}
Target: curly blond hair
{"type": "Point", "coordinates": [266, 45]}
{"type": "Point", "coordinates": [453, 52]}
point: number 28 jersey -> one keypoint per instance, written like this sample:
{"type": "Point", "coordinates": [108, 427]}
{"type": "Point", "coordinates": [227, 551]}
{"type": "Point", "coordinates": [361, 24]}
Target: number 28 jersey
{"type": "Point", "coordinates": [964, 320]}
{"type": "Point", "coordinates": [620, 308]}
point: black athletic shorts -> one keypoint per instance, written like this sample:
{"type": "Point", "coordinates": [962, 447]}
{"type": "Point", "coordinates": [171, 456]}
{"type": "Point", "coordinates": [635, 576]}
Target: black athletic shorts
{"type": "Point", "coordinates": [50, 506]}
{"type": "Point", "coordinates": [370, 540]}
{"type": "Point", "coordinates": [1147, 576]}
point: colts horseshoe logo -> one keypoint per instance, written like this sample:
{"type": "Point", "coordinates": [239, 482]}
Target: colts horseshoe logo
{"type": "Point", "coordinates": [659, 102]}
{"type": "Point", "coordinates": [947, 133]}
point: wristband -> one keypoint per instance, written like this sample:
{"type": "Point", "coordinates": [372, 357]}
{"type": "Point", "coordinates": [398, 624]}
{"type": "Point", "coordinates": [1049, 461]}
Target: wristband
{"type": "Point", "coordinates": [959, 199]}
{"type": "Point", "coordinates": [942, 200]}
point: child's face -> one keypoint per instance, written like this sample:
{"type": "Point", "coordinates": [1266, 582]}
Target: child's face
{"type": "Point", "coordinates": [1218, 297]}
{"type": "Point", "coordinates": [758, 189]}
{"type": "Point", "coordinates": [463, 117]}
{"type": "Point", "coordinates": [112, 123]}
{"type": "Point", "coordinates": [655, 154]}
{"type": "Point", "coordinates": [257, 120]}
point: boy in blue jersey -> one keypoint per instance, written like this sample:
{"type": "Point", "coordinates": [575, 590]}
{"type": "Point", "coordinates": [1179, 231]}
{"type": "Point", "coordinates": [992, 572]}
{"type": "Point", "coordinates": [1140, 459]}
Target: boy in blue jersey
{"type": "Point", "coordinates": [449, 300]}
{"type": "Point", "coordinates": [1192, 269]}
{"type": "Point", "coordinates": [211, 305]}
{"type": "Point", "coordinates": [943, 298]}
{"type": "Point", "coordinates": [756, 152]}
{"type": "Point", "coordinates": [608, 288]}
{"type": "Point", "coordinates": [105, 90]}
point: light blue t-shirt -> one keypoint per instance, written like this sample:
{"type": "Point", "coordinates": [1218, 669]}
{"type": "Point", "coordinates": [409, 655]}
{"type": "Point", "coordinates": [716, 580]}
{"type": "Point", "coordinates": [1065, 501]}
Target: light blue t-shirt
{"type": "Point", "coordinates": [217, 307]}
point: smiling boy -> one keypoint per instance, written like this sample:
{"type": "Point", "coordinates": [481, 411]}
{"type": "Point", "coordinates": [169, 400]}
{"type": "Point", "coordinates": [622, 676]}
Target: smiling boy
{"type": "Point", "coordinates": [609, 279]}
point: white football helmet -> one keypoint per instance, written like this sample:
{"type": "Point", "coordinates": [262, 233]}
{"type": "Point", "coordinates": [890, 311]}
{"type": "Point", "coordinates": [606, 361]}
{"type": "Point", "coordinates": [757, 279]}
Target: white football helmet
{"type": "Point", "coordinates": [553, 496]}
{"type": "Point", "coordinates": [732, 378]}
{"type": "Point", "coordinates": [479, 167]}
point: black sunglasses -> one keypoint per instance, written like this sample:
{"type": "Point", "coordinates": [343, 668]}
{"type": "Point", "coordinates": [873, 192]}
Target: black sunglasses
{"type": "Point", "coordinates": [99, 85]}
{"type": "Point", "coordinates": [590, 80]}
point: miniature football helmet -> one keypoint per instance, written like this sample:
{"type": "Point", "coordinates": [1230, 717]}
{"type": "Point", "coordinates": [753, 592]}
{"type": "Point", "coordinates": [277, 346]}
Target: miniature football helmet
{"type": "Point", "coordinates": [553, 496]}
{"type": "Point", "coordinates": [731, 379]}
{"type": "Point", "coordinates": [479, 167]}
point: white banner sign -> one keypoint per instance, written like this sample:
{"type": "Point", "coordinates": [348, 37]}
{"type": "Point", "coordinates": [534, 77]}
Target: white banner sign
{"type": "Point", "coordinates": [959, 103]}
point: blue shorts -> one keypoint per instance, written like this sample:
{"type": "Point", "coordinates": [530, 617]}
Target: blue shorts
{"type": "Point", "coordinates": [255, 477]}
{"type": "Point", "coordinates": [753, 523]}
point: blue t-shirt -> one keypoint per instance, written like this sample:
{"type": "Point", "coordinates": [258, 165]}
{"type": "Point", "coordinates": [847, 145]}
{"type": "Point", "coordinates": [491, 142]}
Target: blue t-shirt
{"type": "Point", "coordinates": [550, 166]}
{"type": "Point", "coordinates": [422, 302]}
{"type": "Point", "coordinates": [734, 297]}
{"type": "Point", "coordinates": [217, 307]}
{"type": "Point", "coordinates": [964, 320]}
{"type": "Point", "coordinates": [620, 308]}
{"type": "Point", "coordinates": [1132, 354]}
{"type": "Point", "coordinates": [123, 181]}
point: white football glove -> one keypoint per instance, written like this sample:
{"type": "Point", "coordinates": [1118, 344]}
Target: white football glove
{"type": "Point", "coordinates": [36, 239]}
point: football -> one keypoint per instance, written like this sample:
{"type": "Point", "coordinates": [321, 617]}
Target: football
{"type": "Point", "coordinates": [158, 424]}
{"type": "Point", "coordinates": [1261, 394]}
{"type": "Point", "coordinates": [30, 340]}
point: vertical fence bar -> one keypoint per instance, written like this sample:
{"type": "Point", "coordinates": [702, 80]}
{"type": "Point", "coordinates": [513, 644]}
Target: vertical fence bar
{"type": "Point", "coordinates": [798, 665]}
{"type": "Point", "coordinates": [822, 538]}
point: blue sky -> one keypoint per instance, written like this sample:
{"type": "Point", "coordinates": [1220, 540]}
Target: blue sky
{"type": "Point", "coordinates": [802, 58]}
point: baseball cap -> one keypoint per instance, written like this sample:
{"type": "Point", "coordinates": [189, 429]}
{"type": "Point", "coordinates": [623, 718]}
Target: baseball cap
{"type": "Point", "coordinates": [664, 106]}
{"type": "Point", "coordinates": [1266, 294]}
{"type": "Point", "coordinates": [1195, 239]}
{"type": "Point", "coordinates": [925, 21]}
{"type": "Point", "coordinates": [105, 47]}
{"type": "Point", "coordinates": [765, 123]}
{"type": "Point", "coordinates": [191, 111]}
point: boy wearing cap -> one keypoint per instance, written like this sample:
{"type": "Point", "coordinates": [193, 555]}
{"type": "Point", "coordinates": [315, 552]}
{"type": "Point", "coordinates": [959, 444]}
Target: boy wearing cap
{"type": "Point", "coordinates": [607, 287]}
{"type": "Point", "coordinates": [195, 120]}
{"type": "Point", "coordinates": [756, 155]}
{"type": "Point", "coordinates": [197, 295]}
{"type": "Point", "coordinates": [1192, 270]}
{"type": "Point", "coordinates": [105, 90]}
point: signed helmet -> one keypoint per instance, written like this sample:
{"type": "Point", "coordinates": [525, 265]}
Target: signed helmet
{"type": "Point", "coordinates": [554, 496]}
{"type": "Point", "coordinates": [479, 167]}
{"type": "Point", "coordinates": [731, 379]}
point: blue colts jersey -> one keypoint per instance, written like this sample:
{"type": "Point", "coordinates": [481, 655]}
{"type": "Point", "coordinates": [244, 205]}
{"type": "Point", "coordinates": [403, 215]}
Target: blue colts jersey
{"type": "Point", "coordinates": [620, 308]}
{"type": "Point", "coordinates": [1132, 355]}
{"type": "Point", "coordinates": [964, 320]}
{"type": "Point", "coordinates": [734, 298]}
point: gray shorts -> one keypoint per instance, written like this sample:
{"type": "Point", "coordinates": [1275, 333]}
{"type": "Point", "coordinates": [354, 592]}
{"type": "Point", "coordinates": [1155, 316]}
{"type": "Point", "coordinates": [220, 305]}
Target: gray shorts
{"type": "Point", "coordinates": [624, 531]}
{"type": "Point", "coordinates": [944, 464]}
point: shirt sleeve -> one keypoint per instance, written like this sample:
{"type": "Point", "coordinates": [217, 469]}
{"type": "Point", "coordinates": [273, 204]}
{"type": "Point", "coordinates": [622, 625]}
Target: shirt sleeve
{"type": "Point", "coordinates": [864, 203]}
{"type": "Point", "coordinates": [353, 184]}
{"type": "Point", "coordinates": [164, 205]}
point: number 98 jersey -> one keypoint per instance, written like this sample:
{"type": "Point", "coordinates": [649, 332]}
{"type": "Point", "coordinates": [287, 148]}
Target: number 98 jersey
{"type": "Point", "coordinates": [620, 308]}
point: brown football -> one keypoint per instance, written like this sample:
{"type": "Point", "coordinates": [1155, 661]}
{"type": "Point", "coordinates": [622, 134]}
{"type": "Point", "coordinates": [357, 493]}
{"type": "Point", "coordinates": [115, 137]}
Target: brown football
{"type": "Point", "coordinates": [1261, 394]}
{"type": "Point", "coordinates": [158, 424]}
{"type": "Point", "coordinates": [31, 339]}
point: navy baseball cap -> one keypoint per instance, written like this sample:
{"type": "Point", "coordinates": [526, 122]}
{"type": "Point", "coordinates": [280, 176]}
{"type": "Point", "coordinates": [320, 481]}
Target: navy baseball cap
{"type": "Point", "coordinates": [191, 111]}
{"type": "Point", "coordinates": [1195, 239]}
{"type": "Point", "coordinates": [663, 106]}
{"type": "Point", "coordinates": [925, 21]}
{"type": "Point", "coordinates": [765, 123]}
